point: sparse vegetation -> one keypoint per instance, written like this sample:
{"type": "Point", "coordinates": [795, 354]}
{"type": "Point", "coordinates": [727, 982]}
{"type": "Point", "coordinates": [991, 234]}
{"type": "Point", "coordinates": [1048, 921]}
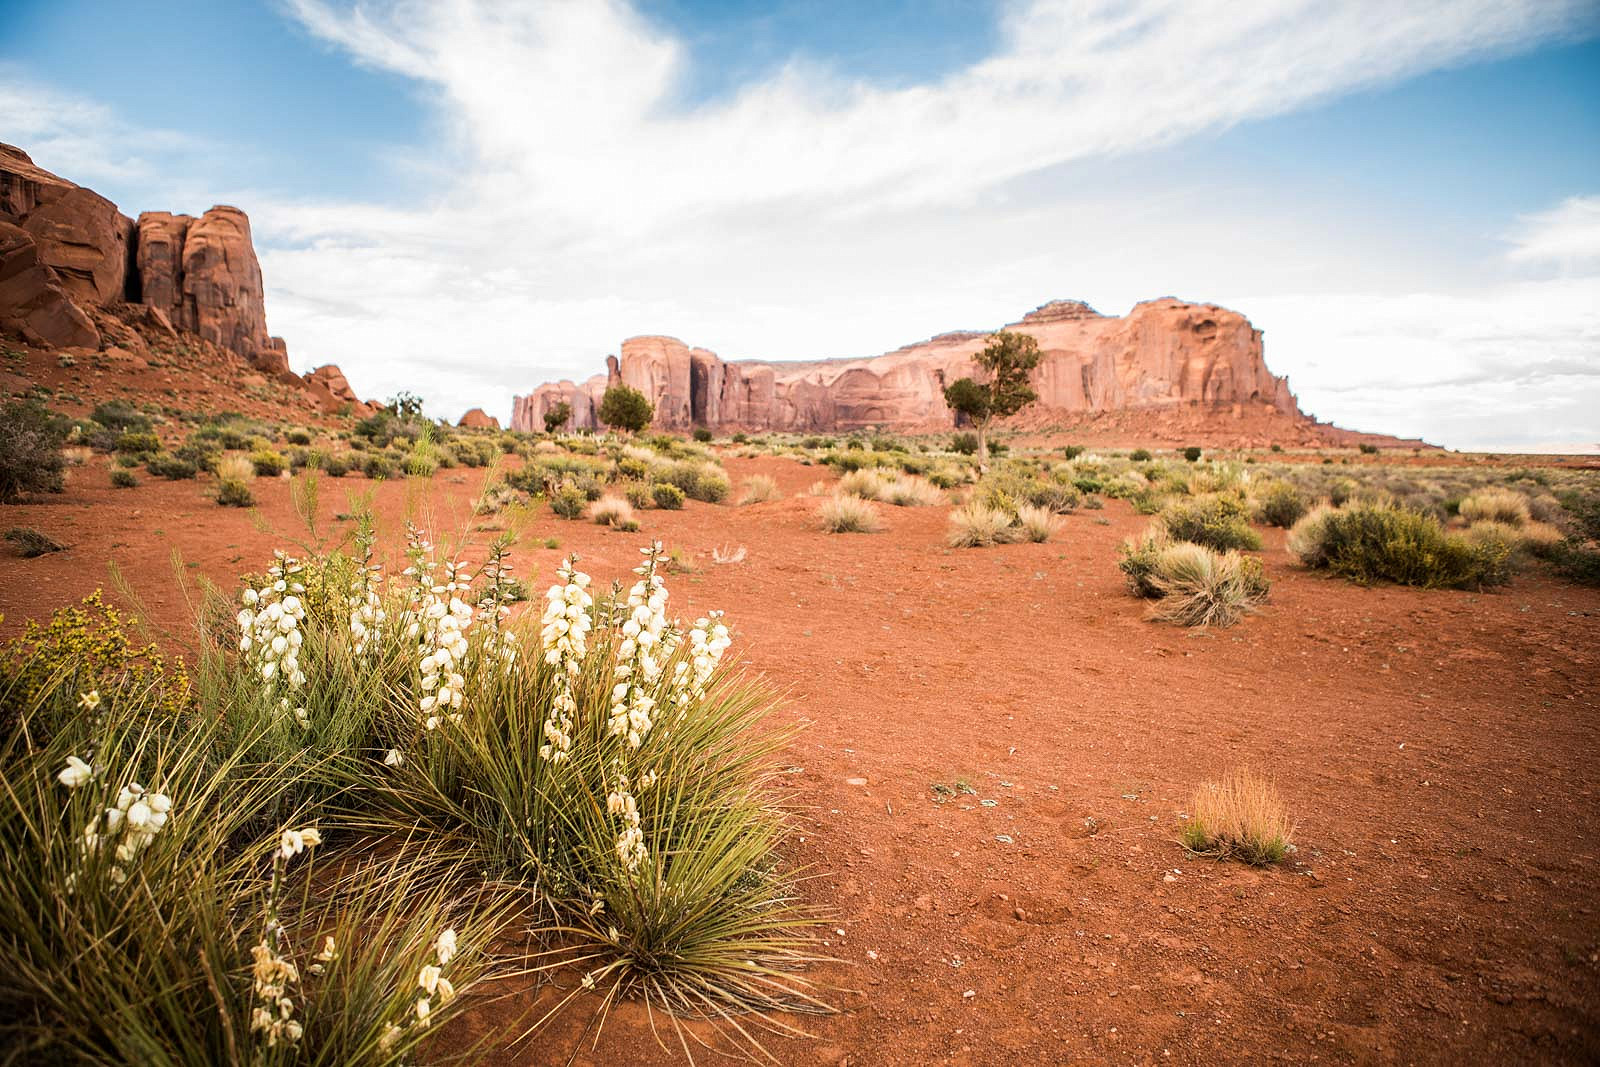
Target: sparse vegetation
{"type": "Point", "coordinates": [758, 489]}
{"type": "Point", "coordinates": [1215, 520]}
{"type": "Point", "coordinates": [976, 525]}
{"type": "Point", "coordinates": [1371, 542]}
{"type": "Point", "coordinates": [842, 513]}
{"type": "Point", "coordinates": [1198, 586]}
{"type": "Point", "coordinates": [30, 543]}
{"type": "Point", "coordinates": [31, 439]}
{"type": "Point", "coordinates": [1240, 816]}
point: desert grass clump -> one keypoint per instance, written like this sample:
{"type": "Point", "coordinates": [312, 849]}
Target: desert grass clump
{"type": "Point", "coordinates": [1372, 541]}
{"type": "Point", "coordinates": [1495, 505]}
{"type": "Point", "coordinates": [234, 475]}
{"type": "Point", "coordinates": [1198, 586]}
{"type": "Point", "coordinates": [1240, 817]}
{"type": "Point", "coordinates": [910, 491]}
{"type": "Point", "coordinates": [864, 483]}
{"type": "Point", "coordinates": [843, 513]}
{"type": "Point", "coordinates": [758, 489]}
{"type": "Point", "coordinates": [122, 478]}
{"type": "Point", "coordinates": [1037, 524]}
{"type": "Point", "coordinates": [612, 511]}
{"type": "Point", "coordinates": [977, 525]}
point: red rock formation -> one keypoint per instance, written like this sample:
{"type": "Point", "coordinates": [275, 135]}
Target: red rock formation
{"type": "Point", "coordinates": [1164, 353]}
{"type": "Point", "coordinates": [330, 378]}
{"type": "Point", "coordinates": [32, 300]}
{"type": "Point", "coordinates": [81, 235]}
{"type": "Point", "coordinates": [201, 274]}
{"type": "Point", "coordinates": [478, 419]}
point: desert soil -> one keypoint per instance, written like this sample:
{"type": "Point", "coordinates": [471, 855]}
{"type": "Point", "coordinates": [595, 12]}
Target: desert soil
{"type": "Point", "coordinates": [1437, 750]}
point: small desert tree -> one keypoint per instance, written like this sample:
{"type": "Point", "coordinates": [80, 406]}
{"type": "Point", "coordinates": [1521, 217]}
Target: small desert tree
{"type": "Point", "coordinates": [625, 408]}
{"type": "Point", "coordinates": [557, 416]}
{"type": "Point", "coordinates": [30, 450]}
{"type": "Point", "coordinates": [1006, 364]}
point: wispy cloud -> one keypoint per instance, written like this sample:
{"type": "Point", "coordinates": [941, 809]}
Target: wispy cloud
{"type": "Point", "coordinates": [1567, 236]}
{"type": "Point", "coordinates": [578, 199]}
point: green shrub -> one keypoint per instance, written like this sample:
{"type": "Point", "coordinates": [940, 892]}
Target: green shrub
{"type": "Point", "coordinates": [666, 496]}
{"type": "Point", "coordinates": [1072, 451]}
{"type": "Point", "coordinates": [1140, 455]}
{"type": "Point", "coordinates": [638, 494]}
{"type": "Point", "coordinates": [964, 443]}
{"type": "Point", "coordinates": [1577, 563]}
{"type": "Point", "coordinates": [1215, 521]}
{"type": "Point", "coordinates": [267, 463]}
{"type": "Point", "coordinates": [122, 478]}
{"type": "Point", "coordinates": [1280, 504]}
{"type": "Point", "coordinates": [1192, 453]}
{"type": "Point", "coordinates": [378, 465]}
{"type": "Point", "coordinates": [1136, 558]}
{"type": "Point", "coordinates": [135, 443]}
{"type": "Point", "coordinates": [702, 434]}
{"type": "Point", "coordinates": [337, 465]}
{"type": "Point", "coordinates": [166, 465]}
{"type": "Point", "coordinates": [120, 417]}
{"type": "Point", "coordinates": [203, 453]}
{"type": "Point", "coordinates": [568, 501]}
{"type": "Point", "coordinates": [297, 437]}
{"type": "Point", "coordinates": [1372, 542]}
{"type": "Point", "coordinates": [1366, 449]}
{"type": "Point", "coordinates": [232, 493]}
{"type": "Point", "coordinates": [31, 461]}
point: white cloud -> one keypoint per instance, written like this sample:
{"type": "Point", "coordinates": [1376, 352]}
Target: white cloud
{"type": "Point", "coordinates": [1509, 366]}
{"type": "Point", "coordinates": [1567, 236]}
{"type": "Point", "coordinates": [580, 200]}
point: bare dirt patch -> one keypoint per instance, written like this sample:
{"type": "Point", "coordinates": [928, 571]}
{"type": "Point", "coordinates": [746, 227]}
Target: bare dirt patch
{"type": "Point", "coordinates": [1436, 750]}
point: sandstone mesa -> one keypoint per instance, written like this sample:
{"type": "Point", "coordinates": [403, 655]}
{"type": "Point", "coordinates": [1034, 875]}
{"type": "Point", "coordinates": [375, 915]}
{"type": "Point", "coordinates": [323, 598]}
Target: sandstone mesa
{"type": "Point", "coordinates": [1166, 358]}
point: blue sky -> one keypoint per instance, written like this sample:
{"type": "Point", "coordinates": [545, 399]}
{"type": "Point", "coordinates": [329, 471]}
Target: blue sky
{"type": "Point", "coordinates": [464, 198]}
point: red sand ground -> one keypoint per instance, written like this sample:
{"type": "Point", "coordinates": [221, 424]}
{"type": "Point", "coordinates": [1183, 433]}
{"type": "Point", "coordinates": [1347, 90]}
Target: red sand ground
{"type": "Point", "coordinates": [1436, 748]}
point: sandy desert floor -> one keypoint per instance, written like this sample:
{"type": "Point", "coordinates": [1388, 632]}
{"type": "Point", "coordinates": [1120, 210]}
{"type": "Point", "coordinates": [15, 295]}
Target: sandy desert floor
{"type": "Point", "coordinates": [1437, 750]}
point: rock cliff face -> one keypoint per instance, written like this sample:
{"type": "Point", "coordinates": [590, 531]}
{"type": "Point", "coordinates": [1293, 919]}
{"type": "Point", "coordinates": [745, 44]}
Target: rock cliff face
{"type": "Point", "coordinates": [1163, 354]}
{"type": "Point", "coordinates": [65, 250]}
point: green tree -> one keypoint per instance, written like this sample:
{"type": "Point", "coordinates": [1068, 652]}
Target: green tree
{"type": "Point", "coordinates": [1006, 365]}
{"type": "Point", "coordinates": [557, 416]}
{"type": "Point", "coordinates": [625, 408]}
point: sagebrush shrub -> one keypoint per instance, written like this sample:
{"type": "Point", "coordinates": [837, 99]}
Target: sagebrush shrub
{"type": "Point", "coordinates": [171, 467]}
{"type": "Point", "coordinates": [1280, 504]}
{"type": "Point", "coordinates": [568, 501]}
{"type": "Point", "coordinates": [666, 496]}
{"type": "Point", "coordinates": [138, 443]}
{"type": "Point", "coordinates": [1216, 521]}
{"type": "Point", "coordinates": [267, 463]}
{"type": "Point", "coordinates": [1370, 542]}
{"type": "Point", "coordinates": [1136, 558]}
{"type": "Point", "coordinates": [122, 478]}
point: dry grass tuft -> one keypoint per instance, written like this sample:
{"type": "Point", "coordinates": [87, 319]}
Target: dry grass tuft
{"type": "Point", "coordinates": [758, 489]}
{"type": "Point", "coordinates": [1496, 505]}
{"type": "Point", "coordinates": [611, 511]}
{"type": "Point", "coordinates": [865, 483]}
{"type": "Point", "coordinates": [977, 525]}
{"type": "Point", "coordinates": [1037, 524]}
{"type": "Point", "coordinates": [909, 491]}
{"type": "Point", "coordinates": [1202, 587]}
{"type": "Point", "coordinates": [235, 468]}
{"type": "Point", "coordinates": [1241, 817]}
{"type": "Point", "coordinates": [849, 514]}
